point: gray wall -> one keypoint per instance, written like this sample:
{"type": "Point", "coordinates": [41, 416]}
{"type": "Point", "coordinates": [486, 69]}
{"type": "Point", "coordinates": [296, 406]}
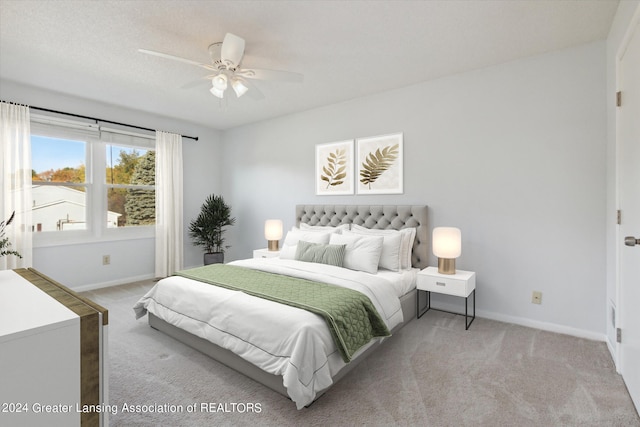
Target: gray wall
{"type": "Point", "coordinates": [80, 265]}
{"type": "Point", "coordinates": [514, 155]}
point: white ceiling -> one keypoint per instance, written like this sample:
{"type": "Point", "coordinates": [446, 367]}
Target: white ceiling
{"type": "Point", "coordinates": [345, 49]}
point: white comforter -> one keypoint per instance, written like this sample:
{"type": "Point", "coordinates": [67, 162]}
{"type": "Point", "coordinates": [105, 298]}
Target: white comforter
{"type": "Point", "coordinates": [279, 339]}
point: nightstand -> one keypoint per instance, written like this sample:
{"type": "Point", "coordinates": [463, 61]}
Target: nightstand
{"type": "Point", "coordinates": [265, 253]}
{"type": "Point", "coordinates": [461, 284]}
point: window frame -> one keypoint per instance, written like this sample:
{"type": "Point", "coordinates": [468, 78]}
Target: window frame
{"type": "Point", "coordinates": [96, 139]}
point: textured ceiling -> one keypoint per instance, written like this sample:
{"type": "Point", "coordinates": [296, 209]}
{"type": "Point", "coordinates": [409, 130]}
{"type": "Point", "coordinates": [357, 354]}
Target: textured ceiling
{"type": "Point", "coordinates": [345, 49]}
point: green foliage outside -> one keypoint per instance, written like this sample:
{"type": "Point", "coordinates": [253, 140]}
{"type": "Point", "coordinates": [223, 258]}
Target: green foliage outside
{"type": "Point", "coordinates": [121, 173]}
{"type": "Point", "coordinates": [67, 174]}
{"type": "Point", "coordinates": [140, 206]}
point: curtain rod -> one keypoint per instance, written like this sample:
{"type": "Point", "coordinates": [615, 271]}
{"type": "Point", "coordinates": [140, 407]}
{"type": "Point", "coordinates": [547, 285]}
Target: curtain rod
{"type": "Point", "coordinates": [195, 138]}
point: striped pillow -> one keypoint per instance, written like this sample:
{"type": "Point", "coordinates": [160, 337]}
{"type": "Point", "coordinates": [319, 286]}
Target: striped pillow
{"type": "Point", "coordinates": [320, 253]}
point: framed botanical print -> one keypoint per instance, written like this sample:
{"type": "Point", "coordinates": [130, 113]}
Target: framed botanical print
{"type": "Point", "coordinates": [334, 168]}
{"type": "Point", "coordinates": [379, 164]}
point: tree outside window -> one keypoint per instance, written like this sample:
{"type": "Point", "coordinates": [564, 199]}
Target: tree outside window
{"type": "Point", "coordinates": [131, 181]}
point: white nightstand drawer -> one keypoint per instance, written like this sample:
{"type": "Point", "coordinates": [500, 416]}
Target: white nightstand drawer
{"type": "Point", "coordinates": [462, 283]}
{"type": "Point", "coordinates": [265, 253]}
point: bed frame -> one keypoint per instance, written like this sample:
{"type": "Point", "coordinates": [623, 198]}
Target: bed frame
{"type": "Point", "coordinates": [387, 217]}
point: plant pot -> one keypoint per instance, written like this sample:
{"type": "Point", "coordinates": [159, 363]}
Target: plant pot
{"type": "Point", "coordinates": [214, 258]}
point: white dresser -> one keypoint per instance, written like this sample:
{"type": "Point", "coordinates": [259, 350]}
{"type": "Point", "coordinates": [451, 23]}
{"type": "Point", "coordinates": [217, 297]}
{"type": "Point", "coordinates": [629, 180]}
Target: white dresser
{"type": "Point", "coordinates": [52, 353]}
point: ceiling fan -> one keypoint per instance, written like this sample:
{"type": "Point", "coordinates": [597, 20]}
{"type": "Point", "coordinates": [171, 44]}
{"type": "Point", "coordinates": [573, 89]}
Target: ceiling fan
{"type": "Point", "coordinates": [226, 57]}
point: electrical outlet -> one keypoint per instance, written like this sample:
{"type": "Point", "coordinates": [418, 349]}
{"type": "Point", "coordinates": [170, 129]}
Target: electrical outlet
{"type": "Point", "coordinates": [106, 259]}
{"type": "Point", "coordinates": [536, 297]}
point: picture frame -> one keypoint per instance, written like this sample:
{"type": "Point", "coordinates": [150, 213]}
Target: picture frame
{"type": "Point", "coordinates": [335, 168]}
{"type": "Point", "coordinates": [379, 164]}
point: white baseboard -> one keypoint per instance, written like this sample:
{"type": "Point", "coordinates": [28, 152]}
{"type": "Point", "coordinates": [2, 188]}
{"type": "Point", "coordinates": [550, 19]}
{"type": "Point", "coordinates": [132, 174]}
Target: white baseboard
{"type": "Point", "coordinates": [523, 321]}
{"type": "Point", "coordinates": [614, 355]}
{"type": "Point", "coordinates": [117, 282]}
{"type": "Point", "coordinates": [545, 326]}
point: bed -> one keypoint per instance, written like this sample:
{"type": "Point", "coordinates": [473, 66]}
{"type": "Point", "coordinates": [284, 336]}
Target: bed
{"type": "Point", "coordinates": [301, 360]}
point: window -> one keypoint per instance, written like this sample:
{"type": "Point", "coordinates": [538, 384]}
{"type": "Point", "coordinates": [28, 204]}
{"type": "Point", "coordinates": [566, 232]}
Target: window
{"type": "Point", "coordinates": [59, 184]}
{"type": "Point", "coordinates": [131, 177]}
{"type": "Point", "coordinates": [90, 183]}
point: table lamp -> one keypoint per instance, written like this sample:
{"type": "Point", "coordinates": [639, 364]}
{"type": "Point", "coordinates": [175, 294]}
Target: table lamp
{"type": "Point", "coordinates": [447, 246]}
{"type": "Point", "coordinates": [273, 233]}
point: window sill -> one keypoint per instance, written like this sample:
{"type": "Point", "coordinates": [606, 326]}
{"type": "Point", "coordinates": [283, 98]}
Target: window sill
{"type": "Point", "coordinates": [66, 238]}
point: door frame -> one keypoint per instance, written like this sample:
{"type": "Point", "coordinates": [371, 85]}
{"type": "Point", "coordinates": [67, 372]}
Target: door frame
{"type": "Point", "coordinates": [618, 233]}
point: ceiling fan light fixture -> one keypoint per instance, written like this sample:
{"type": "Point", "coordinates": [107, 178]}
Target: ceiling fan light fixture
{"type": "Point", "coordinates": [238, 87]}
{"type": "Point", "coordinates": [225, 69]}
{"type": "Point", "coordinates": [217, 92]}
{"type": "Point", "coordinates": [220, 82]}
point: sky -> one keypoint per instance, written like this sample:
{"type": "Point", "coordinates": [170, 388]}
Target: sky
{"type": "Point", "coordinates": [56, 153]}
{"type": "Point", "coordinates": [53, 153]}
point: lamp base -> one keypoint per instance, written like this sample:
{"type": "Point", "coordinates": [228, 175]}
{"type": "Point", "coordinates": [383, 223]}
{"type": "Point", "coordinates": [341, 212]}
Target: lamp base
{"type": "Point", "coordinates": [273, 245]}
{"type": "Point", "coordinates": [447, 265]}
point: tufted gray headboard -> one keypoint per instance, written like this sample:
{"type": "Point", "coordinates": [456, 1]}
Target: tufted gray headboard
{"type": "Point", "coordinates": [386, 217]}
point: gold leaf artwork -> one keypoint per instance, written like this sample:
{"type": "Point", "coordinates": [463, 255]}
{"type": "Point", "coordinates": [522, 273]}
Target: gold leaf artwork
{"type": "Point", "coordinates": [377, 163]}
{"type": "Point", "coordinates": [334, 172]}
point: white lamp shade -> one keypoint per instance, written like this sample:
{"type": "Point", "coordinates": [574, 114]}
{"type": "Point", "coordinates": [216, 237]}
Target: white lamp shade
{"type": "Point", "coordinates": [273, 229]}
{"type": "Point", "coordinates": [238, 87]}
{"type": "Point", "coordinates": [217, 92]}
{"type": "Point", "coordinates": [447, 242]}
{"type": "Point", "coordinates": [220, 82]}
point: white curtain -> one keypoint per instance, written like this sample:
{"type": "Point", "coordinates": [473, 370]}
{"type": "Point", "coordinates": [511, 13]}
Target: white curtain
{"type": "Point", "coordinates": [168, 203]}
{"type": "Point", "coordinates": [15, 189]}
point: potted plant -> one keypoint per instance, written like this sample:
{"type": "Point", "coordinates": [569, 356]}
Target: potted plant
{"type": "Point", "coordinates": [207, 229]}
{"type": "Point", "coordinates": [5, 244]}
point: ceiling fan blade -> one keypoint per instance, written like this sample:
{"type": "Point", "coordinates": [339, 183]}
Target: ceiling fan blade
{"type": "Point", "coordinates": [196, 83]}
{"type": "Point", "coordinates": [175, 58]}
{"type": "Point", "coordinates": [253, 92]}
{"type": "Point", "coordinates": [232, 50]}
{"type": "Point", "coordinates": [262, 74]}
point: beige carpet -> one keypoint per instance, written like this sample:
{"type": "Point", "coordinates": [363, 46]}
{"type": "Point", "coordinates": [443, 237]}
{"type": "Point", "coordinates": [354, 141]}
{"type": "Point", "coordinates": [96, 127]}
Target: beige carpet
{"type": "Point", "coordinates": [432, 373]}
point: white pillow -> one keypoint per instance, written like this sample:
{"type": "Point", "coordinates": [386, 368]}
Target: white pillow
{"type": "Point", "coordinates": [406, 248]}
{"type": "Point", "coordinates": [362, 253]}
{"type": "Point", "coordinates": [322, 228]}
{"type": "Point", "coordinates": [290, 244]}
{"type": "Point", "coordinates": [406, 244]}
{"type": "Point", "coordinates": [390, 256]}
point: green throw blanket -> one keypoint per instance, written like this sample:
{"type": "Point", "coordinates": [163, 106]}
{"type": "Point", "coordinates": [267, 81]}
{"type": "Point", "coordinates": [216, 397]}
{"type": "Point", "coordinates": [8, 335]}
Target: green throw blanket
{"type": "Point", "coordinates": [350, 315]}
